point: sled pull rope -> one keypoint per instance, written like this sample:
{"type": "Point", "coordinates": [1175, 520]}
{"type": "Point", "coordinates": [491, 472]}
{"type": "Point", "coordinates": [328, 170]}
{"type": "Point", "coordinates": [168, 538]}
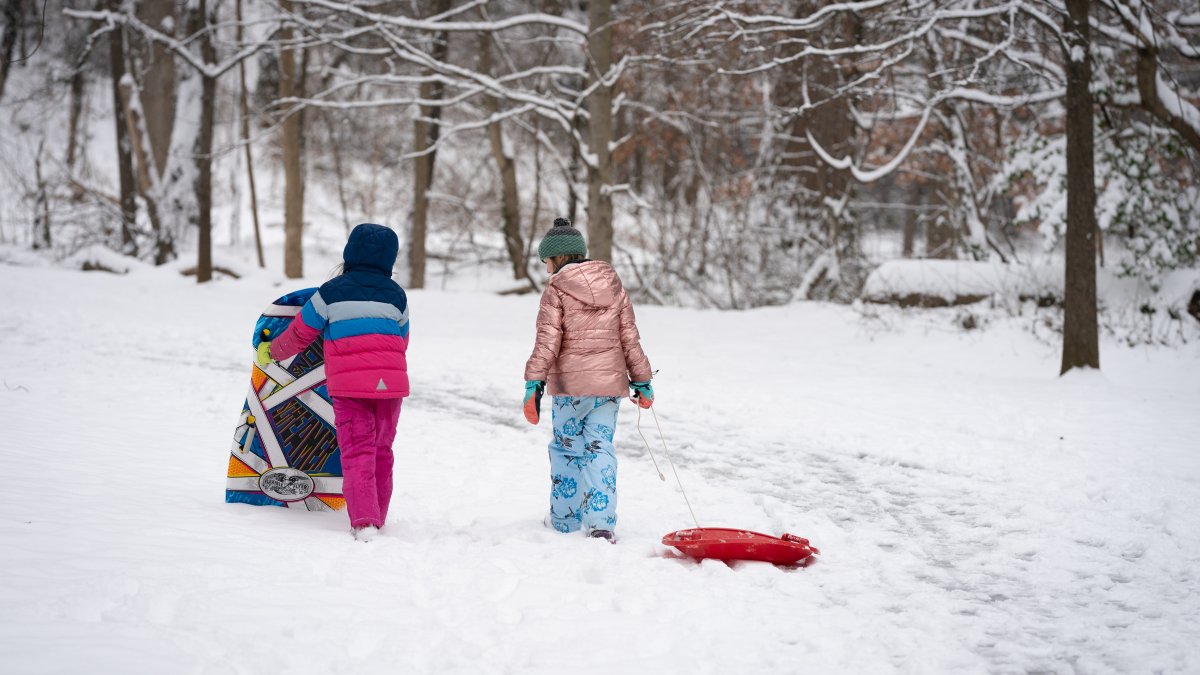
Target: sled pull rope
{"type": "Point", "coordinates": [668, 458]}
{"type": "Point", "coordinates": [652, 458]}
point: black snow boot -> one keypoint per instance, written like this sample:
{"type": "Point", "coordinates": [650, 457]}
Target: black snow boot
{"type": "Point", "coordinates": [603, 534]}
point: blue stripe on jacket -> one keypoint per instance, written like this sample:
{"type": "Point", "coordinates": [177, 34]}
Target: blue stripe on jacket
{"type": "Point", "coordinates": [311, 315]}
{"type": "Point", "coordinates": [355, 327]}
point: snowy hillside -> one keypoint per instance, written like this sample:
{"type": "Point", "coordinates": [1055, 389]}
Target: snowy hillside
{"type": "Point", "coordinates": [975, 512]}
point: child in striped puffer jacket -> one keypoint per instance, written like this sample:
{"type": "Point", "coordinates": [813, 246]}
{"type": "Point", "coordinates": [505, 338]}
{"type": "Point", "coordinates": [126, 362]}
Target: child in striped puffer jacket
{"type": "Point", "coordinates": [363, 316]}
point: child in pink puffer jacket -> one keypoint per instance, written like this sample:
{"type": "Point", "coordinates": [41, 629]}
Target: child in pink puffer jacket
{"type": "Point", "coordinates": [588, 354]}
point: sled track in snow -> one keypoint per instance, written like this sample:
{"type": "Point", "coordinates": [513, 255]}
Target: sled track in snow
{"type": "Point", "coordinates": [985, 549]}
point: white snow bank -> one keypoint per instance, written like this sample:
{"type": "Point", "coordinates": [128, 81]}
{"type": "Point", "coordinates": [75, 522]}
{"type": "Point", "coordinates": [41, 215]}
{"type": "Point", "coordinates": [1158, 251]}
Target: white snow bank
{"type": "Point", "coordinates": [1177, 290]}
{"type": "Point", "coordinates": [100, 258]}
{"type": "Point", "coordinates": [953, 282]}
{"type": "Point", "coordinates": [958, 281]}
{"type": "Point", "coordinates": [103, 259]}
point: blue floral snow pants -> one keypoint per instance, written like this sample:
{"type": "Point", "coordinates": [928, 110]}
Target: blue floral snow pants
{"type": "Point", "coordinates": [583, 466]}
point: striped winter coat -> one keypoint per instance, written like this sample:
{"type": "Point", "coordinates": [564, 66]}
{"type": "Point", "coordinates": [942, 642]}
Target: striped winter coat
{"type": "Point", "coordinates": [363, 316]}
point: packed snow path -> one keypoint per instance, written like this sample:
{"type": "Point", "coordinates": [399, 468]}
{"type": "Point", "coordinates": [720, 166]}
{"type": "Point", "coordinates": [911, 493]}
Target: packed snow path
{"type": "Point", "coordinates": [975, 513]}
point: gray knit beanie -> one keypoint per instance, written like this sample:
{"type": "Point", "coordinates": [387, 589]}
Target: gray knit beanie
{"type": "Point", "coordinates": [562, 239]}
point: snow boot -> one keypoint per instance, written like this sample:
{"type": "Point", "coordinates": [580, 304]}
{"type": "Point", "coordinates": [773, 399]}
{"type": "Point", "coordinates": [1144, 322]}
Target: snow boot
{"type": "Point", "coordinates": [365, 533]}
{"type": "Point", "coordinates": [603, 534]}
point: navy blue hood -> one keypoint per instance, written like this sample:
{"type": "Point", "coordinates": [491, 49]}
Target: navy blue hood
{"type": "Point", "coordinates": [371, 247]}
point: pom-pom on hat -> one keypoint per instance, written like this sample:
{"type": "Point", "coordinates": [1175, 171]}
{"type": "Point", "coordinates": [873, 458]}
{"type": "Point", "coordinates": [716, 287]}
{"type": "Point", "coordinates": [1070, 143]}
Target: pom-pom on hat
{"type": "Point", "coordinates": [562, 239]}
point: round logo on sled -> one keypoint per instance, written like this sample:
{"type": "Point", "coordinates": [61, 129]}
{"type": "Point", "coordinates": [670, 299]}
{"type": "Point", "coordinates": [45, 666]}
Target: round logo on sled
{"type": "Point", "coordinates": [286, 484]}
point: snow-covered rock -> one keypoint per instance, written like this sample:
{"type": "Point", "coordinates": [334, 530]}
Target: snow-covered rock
{"type": "Point", "coordinates": [942, 283]}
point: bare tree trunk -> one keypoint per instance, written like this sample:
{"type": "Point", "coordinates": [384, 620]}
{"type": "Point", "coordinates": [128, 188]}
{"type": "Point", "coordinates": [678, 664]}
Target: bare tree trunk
{"type": "Point", "coordinates": [204, 142]}
{"type": "Point", "coordinates": [291, 142]}
{"type": "Point", "coordinates": [245, 132]}
{"type": "Point", "coordinates": [1080, 340]}
{"type": "Point", "coordinates": [572, 176]}
{"type": "Point", "coordinates": [510, 208]}
{"type": "Point", "coordinates": [941, 236]}
{"type": "Point", "coordinates": [41, 215]}
{"type": "Point", "coordinates": [910, 232]}
{"type": "Point", "coordinates": [13, 17]}
{"type": "Point", "coordinates": [147, 181]}
{"type": "Point", "coordinates": [426, 130]}
{"type": "Point", "coordinates": [76, 113]}
{"type": "Point", "coordinates": [422, 181]}
{"type": "Point", "coordinates": [639, 163]}
{"type": "Point", "coordinates": [600, 131]}
{"type": "Point", "coordinates": [815, 190]}
{"type": "Point", "coordinates": [912, 224]}
{"type": "Point", "coordinates": [537, 204]}
{"type": "Point", "coordinates": [335, 147]}
{"type": "Point", "coordinates": [509, 204]}
{"type": "Point", "coordinates": [157, 88]}
{"type": "Point", "coordinates": [116, 62]}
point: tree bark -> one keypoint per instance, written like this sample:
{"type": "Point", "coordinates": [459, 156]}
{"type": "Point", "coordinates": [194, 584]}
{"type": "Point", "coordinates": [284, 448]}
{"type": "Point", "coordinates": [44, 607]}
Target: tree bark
{"type": "Point", "coordinates": [77, 82]}
{"type": "Point", "coordinates": [1080, 339]}
{"type": "Point", "coordinates": [600, 130]}
{"type": "Point", "coordinates": [535, 216]}
{"type": "Point", "coordinates": [910, 233]}
{"type": "Point", "coordinates": [426, 130]}
{"type": "Point", "coordinates": [571, 176]}
{"type": "Point", "coordinates": [335, 148]}
{"type": "Point", "coordinates": [13, 17]}
{"type": "Point", "coordinates": [815, 189]}
{"type": "Point", "coordinates": [941, 236]}
{"type": "Point", "coordinates": [41, 212]}
{"type": "Point", "coordinates": [204, 142]}
{"type": "Point", "coordinates": [290, 141]}
{"type": "Point", "coordinates": [116, 63]}
{"type": "Point", "coordinates": [1147, 82]}
{"type": "Point", "coordinates": [157, 87]}
{"type": "Point", "coordinates": [147, 183]}
{"type": "Point", "coordinates": [510, 208]}
{"type": "Point", "coordinates": [245, 131]}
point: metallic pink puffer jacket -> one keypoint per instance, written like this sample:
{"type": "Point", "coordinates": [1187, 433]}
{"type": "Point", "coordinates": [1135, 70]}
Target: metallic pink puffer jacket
{"type": "Point", "coordinates": [587, 339]}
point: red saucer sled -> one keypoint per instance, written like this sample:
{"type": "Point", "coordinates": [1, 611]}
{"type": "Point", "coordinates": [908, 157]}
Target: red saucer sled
{"type": "Point", "coordinates": [727, 544]}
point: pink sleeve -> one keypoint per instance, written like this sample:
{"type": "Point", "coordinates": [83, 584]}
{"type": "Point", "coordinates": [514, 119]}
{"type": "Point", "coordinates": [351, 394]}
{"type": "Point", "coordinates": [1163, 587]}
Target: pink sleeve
{"type": "Point", "coordinates": [549, 336]}
{"type": "Point", "coordinates": [293, 340]}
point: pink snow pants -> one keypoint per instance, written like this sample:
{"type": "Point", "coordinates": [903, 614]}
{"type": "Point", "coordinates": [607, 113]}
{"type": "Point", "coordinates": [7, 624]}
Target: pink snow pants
{"type": "Point", "coordinates": [366, 428]}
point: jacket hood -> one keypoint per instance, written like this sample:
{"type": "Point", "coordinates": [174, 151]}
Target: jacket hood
{"type": "Point", "coordinates": [593, 282]}
{"type": "Point", "coordinates": [371, 247]}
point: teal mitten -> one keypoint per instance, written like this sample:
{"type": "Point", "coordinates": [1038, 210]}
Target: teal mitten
{"type": "Point", "coordinates": [533, 400]}
{"type": "Point", "coordinates": [643, 393]}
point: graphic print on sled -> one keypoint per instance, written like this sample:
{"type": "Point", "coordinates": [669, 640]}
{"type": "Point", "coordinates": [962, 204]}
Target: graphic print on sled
{"type": "Point", "coordinates": [285, 450]}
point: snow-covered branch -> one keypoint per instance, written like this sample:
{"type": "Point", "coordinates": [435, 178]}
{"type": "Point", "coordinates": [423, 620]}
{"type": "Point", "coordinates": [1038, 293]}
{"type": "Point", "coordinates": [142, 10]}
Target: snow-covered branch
{"type": "Point", "coordinates": [1158, 94]}
{"type": "Point", "coordinates": [439, 24]}
{"type": "Point", "coordinates": [872, 175]}
{"type": "Point", "coordinates": [179, 47]}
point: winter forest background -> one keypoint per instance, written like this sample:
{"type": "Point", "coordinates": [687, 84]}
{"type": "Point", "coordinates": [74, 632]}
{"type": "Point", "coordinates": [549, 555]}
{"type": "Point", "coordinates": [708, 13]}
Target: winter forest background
{"type": "Point", "coordinates": [723, 154]}
{"type": "Point", "coordinates": [877, 249]}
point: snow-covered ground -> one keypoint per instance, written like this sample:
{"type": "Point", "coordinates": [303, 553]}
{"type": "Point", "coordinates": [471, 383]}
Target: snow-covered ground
{"type": "Point", "coordinates": [975, 512]}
